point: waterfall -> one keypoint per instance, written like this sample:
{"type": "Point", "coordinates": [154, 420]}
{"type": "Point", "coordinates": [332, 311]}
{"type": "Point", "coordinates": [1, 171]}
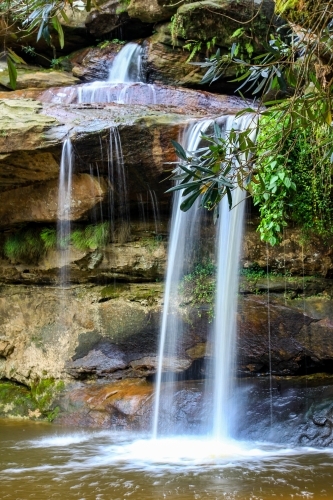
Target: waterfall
{"type": "Point", "coordinates": [64, 209]}
{"type": "Point", "coordinates": [183, 240]}
{"type": "Point", "coordinates": [125, 84]}
{"type": "Point", "coordinates": [223, 335]}
{"type": "Point", "coordinates": [126, 68]}
{"type": "Point", "coordinates": [182, 243]}
{"type": "Point", "coordinates": [127, 65]}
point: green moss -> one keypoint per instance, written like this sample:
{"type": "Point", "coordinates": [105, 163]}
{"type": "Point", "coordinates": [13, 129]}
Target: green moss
{"type": "Point", "coordinates": [112, 291]}
{"type": "Point", "coordinates": [17, 400]}
{"type": "Point", "coordinates": [147, 295]}
{"type": "Point", "coordinates": [123, 6]}
{"type": "Point", "coordinates": [44, 392]}
{"type": "Point", "coordinates": [198, 288]}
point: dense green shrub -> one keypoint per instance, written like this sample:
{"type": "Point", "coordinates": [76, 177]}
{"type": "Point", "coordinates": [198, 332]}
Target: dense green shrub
{"type": "Point", "coordinates": [295, 185]}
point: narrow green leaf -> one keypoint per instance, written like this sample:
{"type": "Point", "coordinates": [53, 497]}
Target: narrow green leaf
{"type": "Point", "coordinates": [229, 196]}
{"type": "Point", "coordinates": [186, 205]}
{"type": "Point", "coordinates": [179, 150]}
{"type": "Point", "coordinates": [12, 73]}
{"type": "Point", "coordinates": [64, 16]}
{"type": "Point", "coordinates": [57, 26]}
{"type": "Point", "coordinates": [15, 58]}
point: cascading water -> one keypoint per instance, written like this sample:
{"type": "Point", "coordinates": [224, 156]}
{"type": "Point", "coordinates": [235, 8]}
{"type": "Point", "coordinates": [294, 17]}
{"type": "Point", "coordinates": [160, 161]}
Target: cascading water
{"type": "Point", "coordinates": [127, 65]}
{"type": "Point", "coordinates": [183, 239]}
{"type": "Point", "coordinates": [64, 209]}
{"type": "Point", "coordinates": [126, 70]}
{"type": "Point", "coordinates": [229, 238]}
{"type": "Point", "coordinates": [182, 243]}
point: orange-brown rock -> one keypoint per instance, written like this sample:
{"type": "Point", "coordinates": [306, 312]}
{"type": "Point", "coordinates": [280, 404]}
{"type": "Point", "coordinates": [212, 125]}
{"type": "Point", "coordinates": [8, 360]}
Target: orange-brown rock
{"type": "Point", "coordinates": [39, 203]}
{"type": "Point", "coordinates": [115, 404]}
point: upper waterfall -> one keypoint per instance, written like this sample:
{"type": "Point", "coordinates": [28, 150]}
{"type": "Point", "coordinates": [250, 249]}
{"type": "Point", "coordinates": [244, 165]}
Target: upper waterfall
{"type": "Point", "coordinates": [127, 65]}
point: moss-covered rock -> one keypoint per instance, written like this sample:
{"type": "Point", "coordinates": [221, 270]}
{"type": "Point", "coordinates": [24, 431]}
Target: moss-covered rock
{"type": "Point", "coordinates": [207, 19]}
{"type": "Point", "coordinates": [35, 402]}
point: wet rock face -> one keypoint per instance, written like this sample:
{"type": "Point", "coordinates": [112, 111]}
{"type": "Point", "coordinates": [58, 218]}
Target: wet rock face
{"type": "Point", "coordinates": [296, 334]}
{"type": "Point", "coordinates": [291, 257]}
{"type": "Point", "coordinates": [297, 412]}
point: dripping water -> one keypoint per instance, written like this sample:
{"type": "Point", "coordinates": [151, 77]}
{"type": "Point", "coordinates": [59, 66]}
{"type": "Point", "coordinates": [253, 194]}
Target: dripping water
{"type": "Point", "coordinates": [269, 340]}
{"type": "Point", "coordinates": [118, 180]}
{"type": "Point", "coordinates": [64, 210]}
{"type": "Point", "coordinates": [155, 209]}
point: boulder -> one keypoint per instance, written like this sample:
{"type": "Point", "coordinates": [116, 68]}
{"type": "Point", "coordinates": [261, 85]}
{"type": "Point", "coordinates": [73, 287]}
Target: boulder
{"type": "Point", "coordinates": [93, 63]}
{"type": "Point", "coordinates": [39, 203]}
{"type": "Point", "coordinates": [123, 404]}
{"type": "Point", "coordinates": [111, 17]}
{"type": "Point", "coordinates": [207, 19]}
{"type": "Point", "coordinates": [152, 11]}
{"type": "Point", "coordinates": [27, 78]}
{"type": "Point", "coordinates": [166, 61]}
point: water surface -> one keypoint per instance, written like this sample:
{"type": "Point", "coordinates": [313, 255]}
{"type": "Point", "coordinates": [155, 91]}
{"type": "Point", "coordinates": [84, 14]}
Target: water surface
{"type": "Point", "coordinates": [42, 461]}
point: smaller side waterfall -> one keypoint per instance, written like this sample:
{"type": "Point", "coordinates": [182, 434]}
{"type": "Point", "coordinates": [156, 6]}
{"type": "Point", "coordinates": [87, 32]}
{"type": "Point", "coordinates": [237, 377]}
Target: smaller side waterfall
{"type": "Point", "coordinates": [125, 70]}
{"type": "Point", "coordinates": [117, 177]}
{"type": "Point", "coordinates": [64, 208]}
{"type": "Point", "coordinates": [126, 81]}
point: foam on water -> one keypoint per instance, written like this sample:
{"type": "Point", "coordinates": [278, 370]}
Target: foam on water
{"type": "Point", "coordinates": [172, 453]}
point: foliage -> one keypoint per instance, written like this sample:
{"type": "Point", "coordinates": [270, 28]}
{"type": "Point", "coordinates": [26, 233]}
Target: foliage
{"type": "Point", "coordinates": [194, 46]}
{"type": "Point", "coordinates": [35, 16]}
{"type": "Point", "coordinates": [214, 170]}
{"type": "Point", "coordinates": [91, 237]}
{"type": "Point", "coordinates": [24, 245]}
{"type": "Point", "coordinates": [30, 244]}
{"type": "Point", "coordinates": [296, 184]}
{"type": "Point", "coordinates": [49, 237]}
{"type": "Point", "coordinates": [106, 43]}
{"type": "Point", "coordinates": [199, 286]}
{"type": "Point", "coordinates": [297, 72]}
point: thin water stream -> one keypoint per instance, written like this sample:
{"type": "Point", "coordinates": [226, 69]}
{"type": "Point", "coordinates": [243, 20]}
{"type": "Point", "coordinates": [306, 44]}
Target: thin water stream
{"type": "Point", "coordinates": [40, 461]}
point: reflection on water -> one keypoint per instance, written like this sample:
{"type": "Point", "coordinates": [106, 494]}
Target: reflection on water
{"type": "Point", "coordinates": [42, 462]}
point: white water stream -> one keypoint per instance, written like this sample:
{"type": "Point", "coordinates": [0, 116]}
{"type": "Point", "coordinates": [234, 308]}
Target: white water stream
{"type": "Point", "coordinates": [126, 70]}
{"type": "Point", "coordinates": [184, 237]}
{"type": "Point", "coordinates": [64, 209]}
